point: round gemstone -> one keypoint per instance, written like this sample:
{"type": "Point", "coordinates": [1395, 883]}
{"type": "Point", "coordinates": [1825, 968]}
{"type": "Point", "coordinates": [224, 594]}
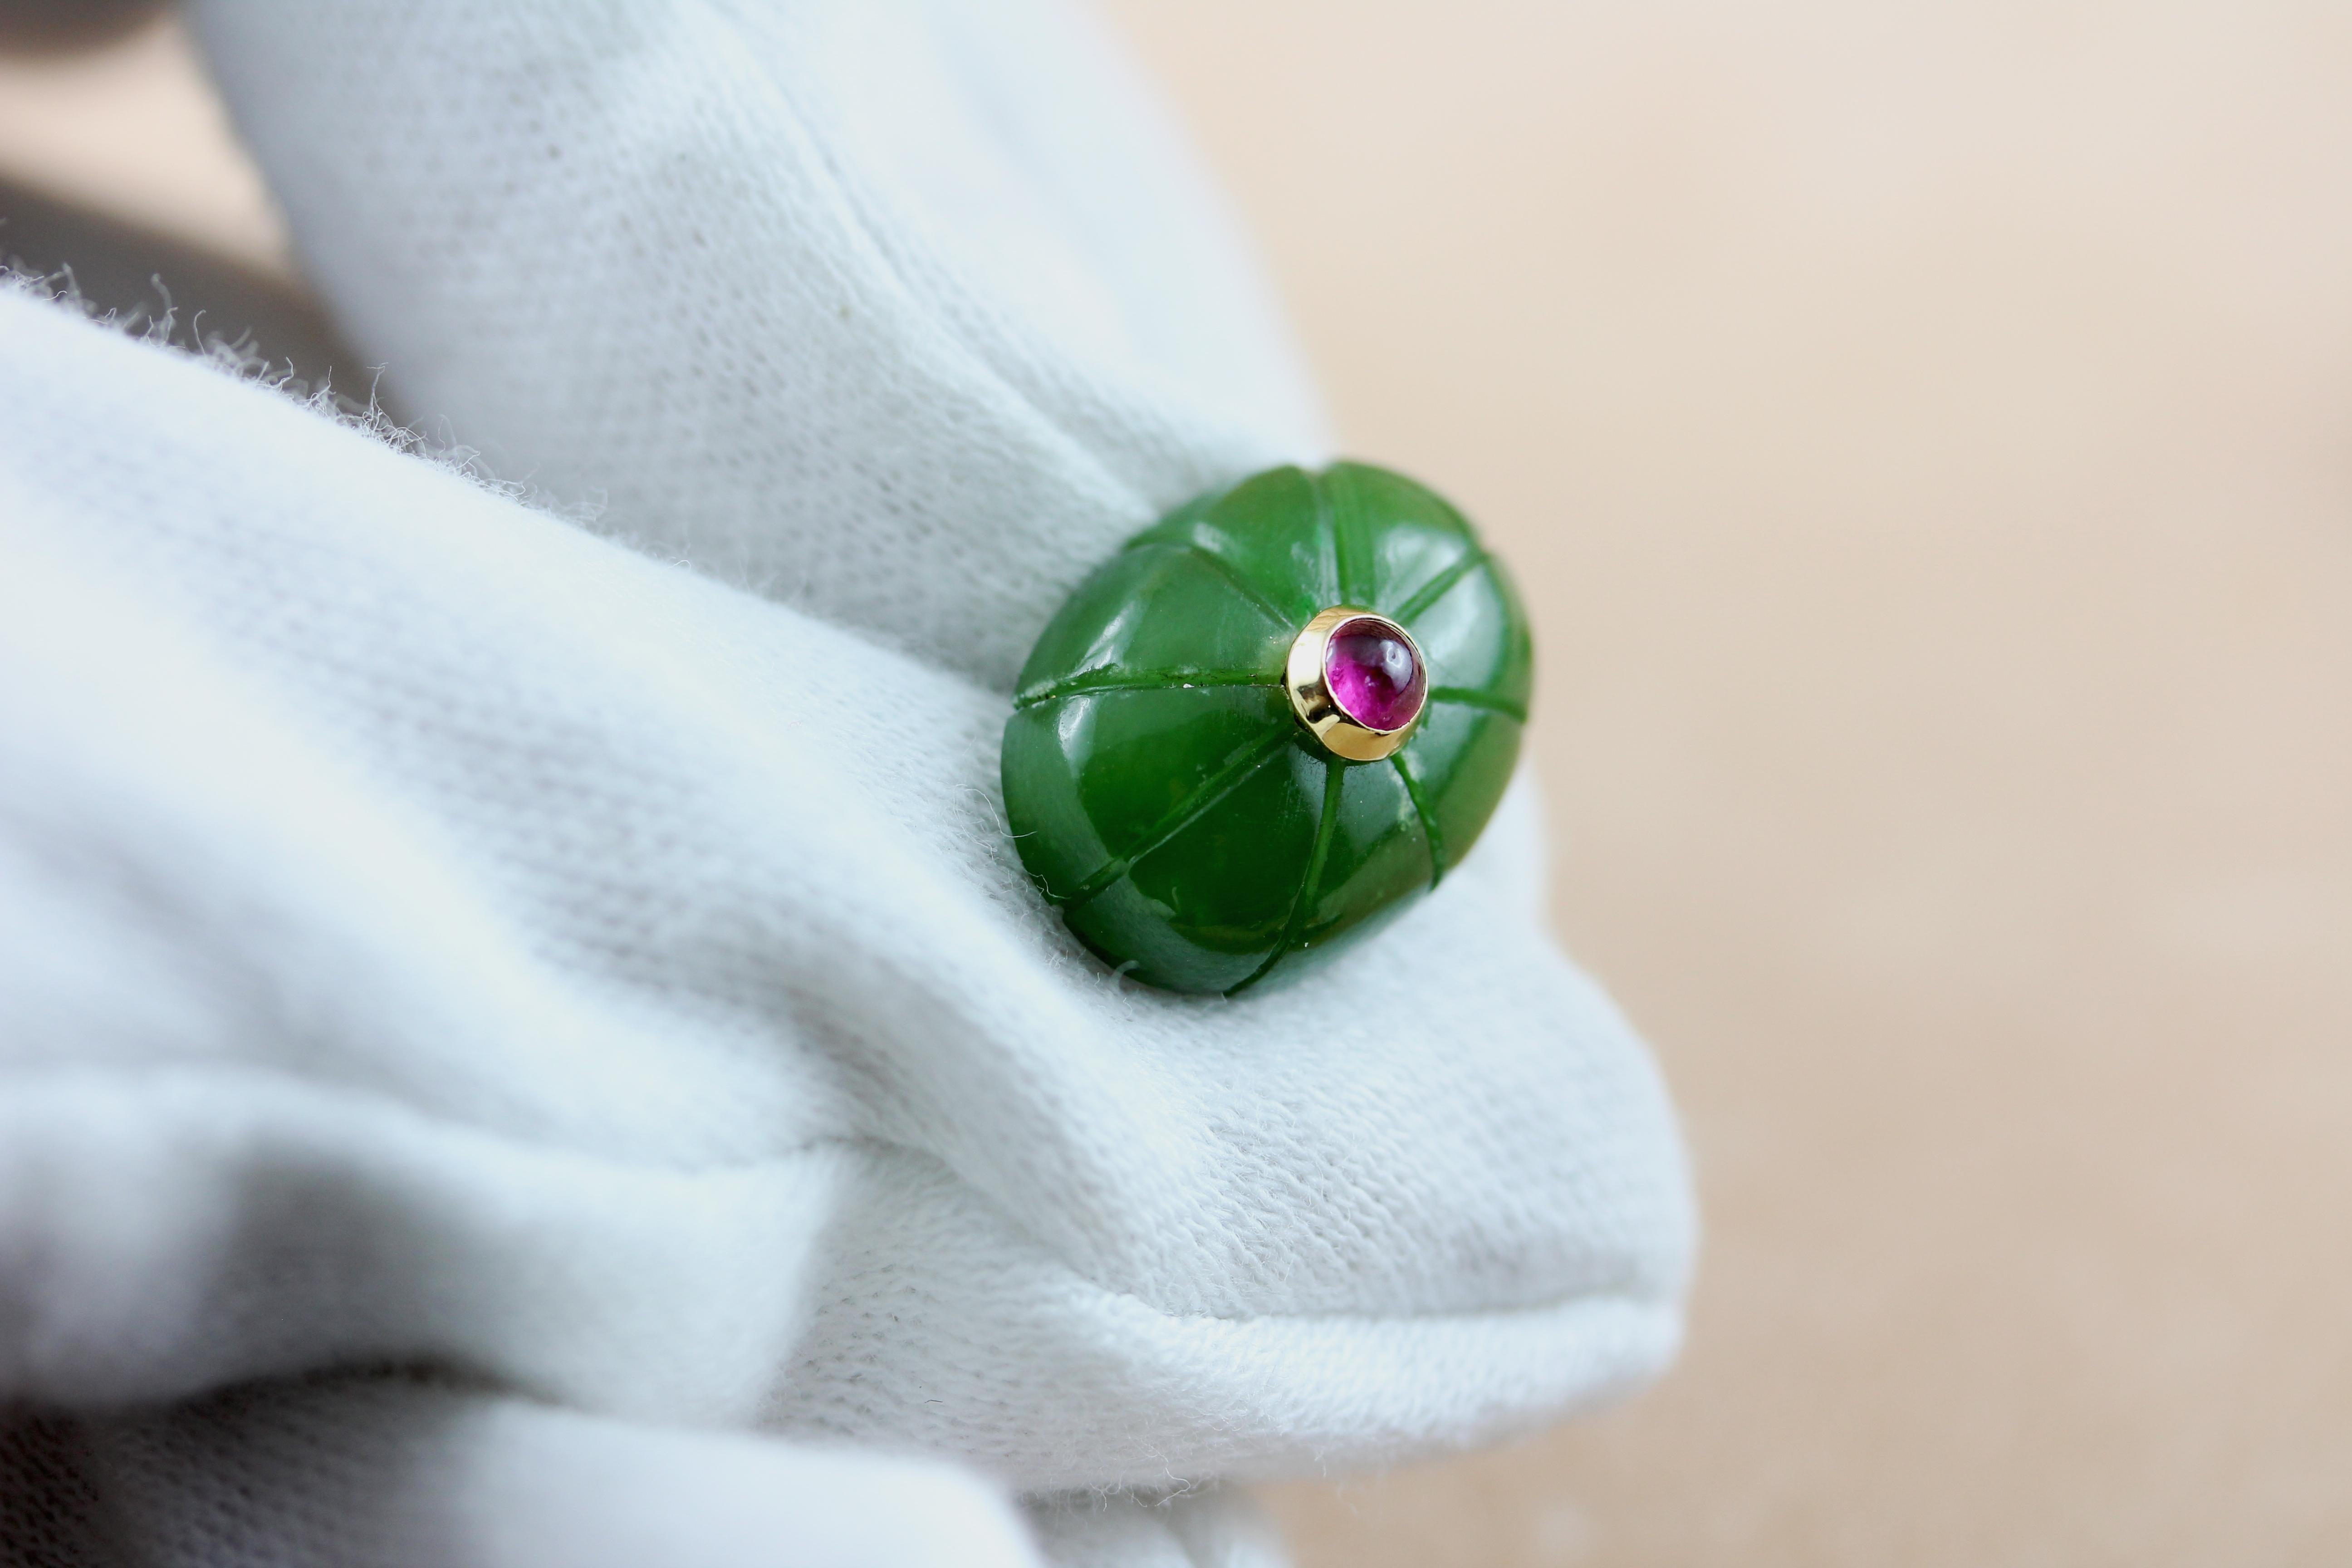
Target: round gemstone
{"type": "Point", "coordinates": [1374, 675]}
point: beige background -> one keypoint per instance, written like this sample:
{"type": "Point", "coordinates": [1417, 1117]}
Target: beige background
{"type": "Point", "coordinates": [1924, 433]}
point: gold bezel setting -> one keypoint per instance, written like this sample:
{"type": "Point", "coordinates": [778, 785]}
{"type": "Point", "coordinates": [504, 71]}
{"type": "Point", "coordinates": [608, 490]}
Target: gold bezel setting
{"type": "Point", "coordinates": [1306, 681]}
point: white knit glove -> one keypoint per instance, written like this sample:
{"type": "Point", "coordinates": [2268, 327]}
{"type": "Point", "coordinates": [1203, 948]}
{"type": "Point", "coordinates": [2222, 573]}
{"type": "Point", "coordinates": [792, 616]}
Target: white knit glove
{"type": "Point", "coordinates": [520, 1049]}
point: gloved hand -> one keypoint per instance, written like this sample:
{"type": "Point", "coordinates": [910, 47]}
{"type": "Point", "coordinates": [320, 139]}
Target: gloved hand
{"type": "Point", "coordinates": [522, 1040]}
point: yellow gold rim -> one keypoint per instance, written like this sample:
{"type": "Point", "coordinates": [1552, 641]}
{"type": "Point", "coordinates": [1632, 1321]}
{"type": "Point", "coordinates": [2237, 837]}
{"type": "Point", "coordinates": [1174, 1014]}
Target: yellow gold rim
{"type": "Point", "coordinates": [1310, 691]}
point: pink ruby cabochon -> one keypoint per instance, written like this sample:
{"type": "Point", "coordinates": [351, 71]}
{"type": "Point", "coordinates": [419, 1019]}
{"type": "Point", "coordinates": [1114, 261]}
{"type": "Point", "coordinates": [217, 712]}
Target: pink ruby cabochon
{"type": "Point", "coordinates": [1374, 675]}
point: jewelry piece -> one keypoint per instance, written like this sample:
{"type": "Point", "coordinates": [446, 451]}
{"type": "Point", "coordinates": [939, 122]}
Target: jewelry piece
{"type": "Point", "coordinates": [1272, 721]}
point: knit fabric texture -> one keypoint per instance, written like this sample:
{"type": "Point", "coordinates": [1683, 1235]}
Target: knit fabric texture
{"type": "Point", "coordinates": [522, 1037]}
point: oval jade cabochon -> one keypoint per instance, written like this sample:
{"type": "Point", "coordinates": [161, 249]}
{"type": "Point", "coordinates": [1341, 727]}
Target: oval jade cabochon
{"type": "Point", "coordinates": [1163, 796]}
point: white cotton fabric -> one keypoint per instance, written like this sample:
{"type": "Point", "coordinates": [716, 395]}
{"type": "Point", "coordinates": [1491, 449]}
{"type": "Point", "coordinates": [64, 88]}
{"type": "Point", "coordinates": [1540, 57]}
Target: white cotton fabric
{"type": "Point", "coordinates": [905, 311]}
{"type": "Point", "coordinates": [565, 1012]}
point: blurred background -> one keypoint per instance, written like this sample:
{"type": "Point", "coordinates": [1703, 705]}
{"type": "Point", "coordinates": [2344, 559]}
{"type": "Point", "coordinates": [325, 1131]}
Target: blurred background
{"type": "Point", "coordinates": [1925, 436]}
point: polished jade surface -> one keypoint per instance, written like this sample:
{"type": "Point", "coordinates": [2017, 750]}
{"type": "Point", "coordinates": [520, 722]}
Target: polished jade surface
{"type": "Point", "coordinates": [1162, 795]}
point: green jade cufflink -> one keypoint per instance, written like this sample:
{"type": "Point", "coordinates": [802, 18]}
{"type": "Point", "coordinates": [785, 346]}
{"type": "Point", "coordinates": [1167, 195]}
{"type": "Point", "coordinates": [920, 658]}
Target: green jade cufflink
{"type": "Point", "coordinates": [1271, 722]}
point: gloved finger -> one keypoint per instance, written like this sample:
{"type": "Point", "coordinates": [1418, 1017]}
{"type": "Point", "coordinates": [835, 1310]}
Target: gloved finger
{"type": "Point", "coordinates": [391, 1473]}
{"type": "Point", "coordinates": [326, 769]}
{"type": "Point", "coordinates": [334, 781]}
{"type": "Point", "coordinates": [906, 311]}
